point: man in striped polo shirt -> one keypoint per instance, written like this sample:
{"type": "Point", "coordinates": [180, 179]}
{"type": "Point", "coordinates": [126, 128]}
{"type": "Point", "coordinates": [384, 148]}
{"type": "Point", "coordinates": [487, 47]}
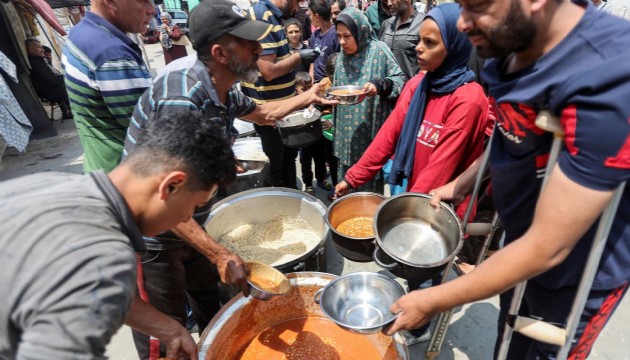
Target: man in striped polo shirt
{"type": "Point", "coordinates": [277, 82]}
{"type": "Point", "coordinates": [105, 75]}
{"type": "Point", "coordinates": [187, 263]}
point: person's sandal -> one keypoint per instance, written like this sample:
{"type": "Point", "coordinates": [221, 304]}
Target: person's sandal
{"type": "Point", "coordinates": [309, 190]}
{"type": "Point", "coordinates": [410, 341]}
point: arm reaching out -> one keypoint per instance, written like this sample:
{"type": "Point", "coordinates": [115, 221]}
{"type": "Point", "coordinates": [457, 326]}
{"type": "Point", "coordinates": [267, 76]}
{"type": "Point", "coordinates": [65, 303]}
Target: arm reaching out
{"type": "Point", "coordinates": [148, 320]}
{"type": "Point", "coordinates": [564, 212]}
{"type": "Point", "coordinates": [231, 267]}
{"type": "Point", "coordinates": [456, 190]}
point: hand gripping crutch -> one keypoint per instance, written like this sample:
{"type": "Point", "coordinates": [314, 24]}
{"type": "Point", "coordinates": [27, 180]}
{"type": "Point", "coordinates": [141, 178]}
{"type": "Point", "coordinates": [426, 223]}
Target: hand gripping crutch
{"type": "Point", "coordinates": [537, 329]}
{"type": "Point", "coordinates": [444, 319]}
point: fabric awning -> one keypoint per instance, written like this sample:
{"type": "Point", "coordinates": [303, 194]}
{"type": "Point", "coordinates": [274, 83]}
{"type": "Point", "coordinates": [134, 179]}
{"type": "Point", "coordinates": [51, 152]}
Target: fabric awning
{"type": "Point", "coordinates": [55, 4]}
{"type": "Point", "coordinates": [47, 13]}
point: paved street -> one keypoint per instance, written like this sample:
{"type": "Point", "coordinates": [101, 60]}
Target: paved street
{"type": "Point", "coordinates": [472, 331]}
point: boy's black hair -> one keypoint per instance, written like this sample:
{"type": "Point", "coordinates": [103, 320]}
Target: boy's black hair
{"type": "Point", "coordinates": [303, 78]}
{"type": "Point", "coordinates": [292, 21]}
{"type": "Point", "coordinates": [194, 145]}
{"type": "Point", "coordinates": [331, 61]}
{"type": "Point", "coordinates": [321, 8]}
{"type": "Point", "coordinates": [342, 4]}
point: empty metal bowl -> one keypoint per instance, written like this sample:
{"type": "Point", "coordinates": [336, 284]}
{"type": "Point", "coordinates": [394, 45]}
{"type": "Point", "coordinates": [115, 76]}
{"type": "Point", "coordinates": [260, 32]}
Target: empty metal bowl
{"type": "Point", "coordinates": [265, 282]}
{"type": "Point", "coordinates": [360, 301]}
{"type": "Point", "coordinates": [346, 94]}
{"type": "Point", "coordinates": [251, 165]}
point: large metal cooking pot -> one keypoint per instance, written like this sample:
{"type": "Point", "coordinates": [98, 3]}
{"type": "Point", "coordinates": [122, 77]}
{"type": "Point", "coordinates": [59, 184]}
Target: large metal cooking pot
{"type": "Point", "coordinates": [250, 179]}
{"type": "Point", "coordinates": [413, 240]}
{"type": "Point", "coordinates": [264, 204]}
{"type": "Point", "coordinates": [297, 130]}
{"type": "Point", "coordinates": [358, 204]}
{"type": "Point", "coordinates": [241, 319]}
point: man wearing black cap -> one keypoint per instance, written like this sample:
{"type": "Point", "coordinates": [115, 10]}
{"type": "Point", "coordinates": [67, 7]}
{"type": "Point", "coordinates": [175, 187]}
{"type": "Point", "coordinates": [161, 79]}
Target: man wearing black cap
{"type": "Point", "coordinates": [176, 266]}
{"type": "Point", "coordinates": [276, 82]}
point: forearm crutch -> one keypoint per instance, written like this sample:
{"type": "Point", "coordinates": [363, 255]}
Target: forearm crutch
{"type": "Point", "coordinates": [444, 319]}
{"type": "Point", "coordinates": [538, 329]}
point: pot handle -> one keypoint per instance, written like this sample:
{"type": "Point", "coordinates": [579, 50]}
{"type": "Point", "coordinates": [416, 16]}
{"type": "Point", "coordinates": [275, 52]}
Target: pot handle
{"type": "Point", "coordinates": [380, 263]}
{"type": "Point", "coordinates": [318, 296]}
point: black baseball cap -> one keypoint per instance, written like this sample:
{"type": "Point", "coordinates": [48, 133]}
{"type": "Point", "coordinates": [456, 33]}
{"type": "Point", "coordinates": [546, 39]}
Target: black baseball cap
{"type": "Point", "coordinates": [211, 19]}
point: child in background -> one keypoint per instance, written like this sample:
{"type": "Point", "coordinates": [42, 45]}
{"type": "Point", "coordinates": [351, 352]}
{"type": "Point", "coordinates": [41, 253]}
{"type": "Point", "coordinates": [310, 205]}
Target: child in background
{"type": "Point", "coordinates": [303, 82]}
{"type": "Point", "coordinates": [314, 152]}
{"type": "Point", "coordinates": [293, 30]}
{"type": "Point", "coordinates": [326, 82]}
{"type": "Point", "coordinates": [329, 155]}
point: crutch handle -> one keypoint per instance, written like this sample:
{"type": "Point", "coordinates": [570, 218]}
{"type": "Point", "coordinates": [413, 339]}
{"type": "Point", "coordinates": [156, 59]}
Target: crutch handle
{"type": "Point", "coordinates": [548, 122]}
{"type": "Point", "coordinates": [480, 229]}
{"type": "Point", "coordinates": [540, 330]}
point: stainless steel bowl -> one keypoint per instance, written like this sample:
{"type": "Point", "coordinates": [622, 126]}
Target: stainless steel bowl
{"type": "Point", "coordinates": [337, 93]}
{"type": "Point", "coordinates": [251, 165]}
{"type": "Point", "coordinates": [360, 301]}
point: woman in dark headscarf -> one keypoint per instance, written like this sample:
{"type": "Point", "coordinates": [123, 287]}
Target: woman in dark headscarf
{"type": "Point", "coordinates": [437, 129]}
{"type": "Point", "coordinates": [364, 61]}
{"type": "Point", "coordinates": [172, 40]}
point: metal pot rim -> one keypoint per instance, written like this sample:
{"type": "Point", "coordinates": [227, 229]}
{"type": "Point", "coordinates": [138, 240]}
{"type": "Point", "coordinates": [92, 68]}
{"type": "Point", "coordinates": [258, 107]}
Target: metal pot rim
{"type": "Point", "coordinates": [285, 123]}
{"type": "Point", "coordinates": [443, 207]}
{"type": "Point", "coordinates": [349, 196]}
{"type": "Point", "coordinates": [278, 191]}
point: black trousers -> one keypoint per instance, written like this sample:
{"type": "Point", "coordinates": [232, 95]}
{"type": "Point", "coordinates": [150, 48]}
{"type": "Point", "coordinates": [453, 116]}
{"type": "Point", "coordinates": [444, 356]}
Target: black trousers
{"type": "Point", "coordinates": [554, 306]}
{"type": "Point", "coordinates": [171, 279]}
{"type": "Point", "coordinates": [281, 170]}
{"type": "Point", "coordinates": [313, 153]}
{"type": "Point", "coordinates": [331, 159]}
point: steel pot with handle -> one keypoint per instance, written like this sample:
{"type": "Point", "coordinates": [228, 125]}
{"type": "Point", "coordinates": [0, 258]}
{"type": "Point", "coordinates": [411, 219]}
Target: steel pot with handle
{"type": "Point", "coordinates": [413, 240]}
{"type": "Point", "coordinates": [298, 129]}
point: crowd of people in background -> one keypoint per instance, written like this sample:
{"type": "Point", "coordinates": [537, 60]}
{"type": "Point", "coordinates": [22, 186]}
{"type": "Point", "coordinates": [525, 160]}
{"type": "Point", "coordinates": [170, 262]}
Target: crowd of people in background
{"type": "Point", "coordinates": [426, 118]}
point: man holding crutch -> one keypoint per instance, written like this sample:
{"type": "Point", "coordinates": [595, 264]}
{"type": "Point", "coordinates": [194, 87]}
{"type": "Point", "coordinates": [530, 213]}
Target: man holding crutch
{"type": "Point", "coordinates": [571, 61]}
